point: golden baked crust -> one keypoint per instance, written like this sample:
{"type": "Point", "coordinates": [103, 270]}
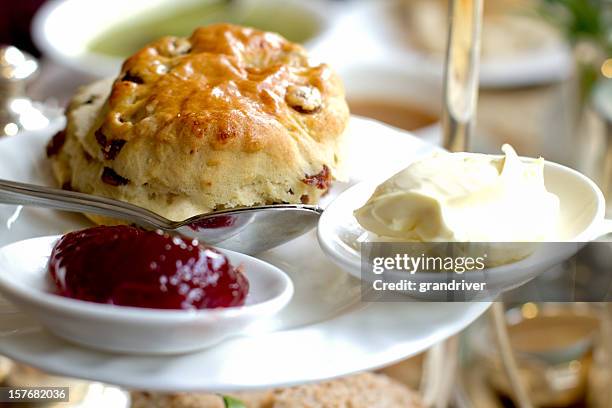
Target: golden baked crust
{"type": "Point", "coordinates": [230, 116]}
{"type": "Point", "coordinates": [364, 390]}
{"type": "Point", "coordinates": [143, 399]}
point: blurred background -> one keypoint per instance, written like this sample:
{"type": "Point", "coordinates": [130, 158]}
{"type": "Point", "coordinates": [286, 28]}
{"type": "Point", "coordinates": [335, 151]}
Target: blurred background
{"type": "Point", "coordinates": [545, 87]}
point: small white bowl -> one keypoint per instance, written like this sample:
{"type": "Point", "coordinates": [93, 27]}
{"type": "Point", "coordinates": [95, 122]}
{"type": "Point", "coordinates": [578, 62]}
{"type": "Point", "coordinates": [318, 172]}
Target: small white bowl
{"type": "Point", "coordinates": [63, 29]}
{"type": "Point", "coordinates": [581, 220]}
{"type": "Point", "coordinates": [24, 281]}
{"type": "Point", "coordinates": [398, 85]}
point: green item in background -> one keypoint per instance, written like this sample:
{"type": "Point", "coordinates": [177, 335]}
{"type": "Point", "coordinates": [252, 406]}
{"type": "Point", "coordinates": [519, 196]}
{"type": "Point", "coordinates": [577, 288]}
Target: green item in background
{"type": "Point", "coordinates": [582, 19]}
{"type": "Point", "coordinates": [126, 37]}
{"type": "Point", "coordinates": [588, 24]}
{"type": "Point", "coordinates": [232, 402]}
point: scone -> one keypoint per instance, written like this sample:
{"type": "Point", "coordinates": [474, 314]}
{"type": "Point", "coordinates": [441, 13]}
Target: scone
{"type": "Point", "coordinates": [228, 117]}
{"type": "Point", "coordinates": [364, 390]}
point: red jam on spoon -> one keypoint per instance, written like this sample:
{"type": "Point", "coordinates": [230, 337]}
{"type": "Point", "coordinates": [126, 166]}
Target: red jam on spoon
{"type": "Point", "coordinates": [127, 266]}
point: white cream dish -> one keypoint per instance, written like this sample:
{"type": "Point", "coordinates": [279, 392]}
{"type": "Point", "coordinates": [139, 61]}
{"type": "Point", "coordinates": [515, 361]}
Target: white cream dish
{"type": "Point", "coordinates": [534, 213]}
{"type": "Point", "coordinates": [25, 282]}
{"type": "Point", "coordinates": [94, 37]}
{"type": "Point", "coordinates": [464, 197]}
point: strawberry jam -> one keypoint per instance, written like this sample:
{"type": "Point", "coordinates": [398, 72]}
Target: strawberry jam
{"type": "Point", "coordinates": [220, 221]}
{"type": "Point", "coordinates": [127, 266]}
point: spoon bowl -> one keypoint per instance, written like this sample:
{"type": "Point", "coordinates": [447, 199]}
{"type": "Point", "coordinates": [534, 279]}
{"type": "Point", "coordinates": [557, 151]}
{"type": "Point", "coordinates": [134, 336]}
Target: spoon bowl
{"type": "Point", "coordinates": [24, 281]}
{"type": "Point", "coordinates": [248, 230]}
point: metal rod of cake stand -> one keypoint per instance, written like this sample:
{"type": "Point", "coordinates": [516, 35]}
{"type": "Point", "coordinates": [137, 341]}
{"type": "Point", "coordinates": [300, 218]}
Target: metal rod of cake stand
{"type": "Point", "coordinates": [498, 320]}
{"type": "Point", "coordinates": [459, 109]}
{"type": "Point", "coordinates": [459, 104]}
{"type": "Point", "coordinates": [461, 73]}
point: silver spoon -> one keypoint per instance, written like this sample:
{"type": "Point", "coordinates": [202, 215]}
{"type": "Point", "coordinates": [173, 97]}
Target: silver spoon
{"type": "Point", "coordinates": [248, 230]}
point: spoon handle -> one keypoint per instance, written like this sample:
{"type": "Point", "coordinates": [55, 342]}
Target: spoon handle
{"type": "Point", "coordinates": [12, 192]}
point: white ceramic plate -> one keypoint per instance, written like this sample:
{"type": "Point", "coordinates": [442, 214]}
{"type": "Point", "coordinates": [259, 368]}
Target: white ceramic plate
{"type": "Point", "coordinates": [373, 31]}
{"type": "Point", "coordinates": [324, 332]}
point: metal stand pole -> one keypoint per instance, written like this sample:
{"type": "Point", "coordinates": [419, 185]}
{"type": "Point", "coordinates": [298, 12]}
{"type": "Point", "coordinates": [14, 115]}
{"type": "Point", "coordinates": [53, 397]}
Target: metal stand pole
{"type": "Point", "coordinates": [459, 107]}
{"type": "Point", "coordinates": [519, 390]}
{"type": "Point", "coordinates": [461, 73]}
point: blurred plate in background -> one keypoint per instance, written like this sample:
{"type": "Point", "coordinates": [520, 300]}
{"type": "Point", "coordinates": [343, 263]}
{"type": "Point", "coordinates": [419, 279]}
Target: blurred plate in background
{"type": "Point", "coordinates": [412, 33]}
{"type": "Point", "coordinates": [396, 95]}
{"type": "Point", "coordinates": [95, 37]}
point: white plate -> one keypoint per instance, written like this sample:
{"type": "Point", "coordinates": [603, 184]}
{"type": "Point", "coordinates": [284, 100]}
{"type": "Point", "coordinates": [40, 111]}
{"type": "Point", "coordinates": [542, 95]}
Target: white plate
{"type": "Point", "coordinates": [372, 31]}
{"type": "Point", "coordinates": [324, 332]}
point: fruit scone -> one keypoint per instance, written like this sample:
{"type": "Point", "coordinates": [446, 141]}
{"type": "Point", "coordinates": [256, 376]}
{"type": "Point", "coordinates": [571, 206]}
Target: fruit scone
{"type": "Point", "coordinates": [228, 117]}
{"type": "Point", "coordinates": [365, 390]}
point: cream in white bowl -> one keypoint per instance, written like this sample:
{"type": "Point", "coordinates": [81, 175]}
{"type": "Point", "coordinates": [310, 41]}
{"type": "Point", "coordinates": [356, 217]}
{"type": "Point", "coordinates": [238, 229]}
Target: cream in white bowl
{"type": "Point", "coordinates": [464, 197]}
{"type": "Point", "coordinates": [581, 219]}
{"type": "Point", "coordinates": [25, 282]}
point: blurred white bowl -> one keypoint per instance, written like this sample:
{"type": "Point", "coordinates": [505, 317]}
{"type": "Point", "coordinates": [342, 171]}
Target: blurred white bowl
{"type": "Point", "coordinates": [400, 89]}
{"type": "Point", "coordinates": [64, 29]}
